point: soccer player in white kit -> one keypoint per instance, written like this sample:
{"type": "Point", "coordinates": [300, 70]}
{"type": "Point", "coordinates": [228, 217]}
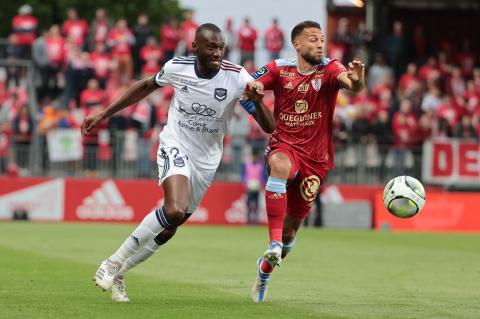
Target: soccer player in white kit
{"type": "Point", "coordinates": [191, 144]}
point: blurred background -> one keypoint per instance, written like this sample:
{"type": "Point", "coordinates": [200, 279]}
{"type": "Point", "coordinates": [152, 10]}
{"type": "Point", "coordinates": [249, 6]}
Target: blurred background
{"type": "Point", "coordinates": [419, 114]}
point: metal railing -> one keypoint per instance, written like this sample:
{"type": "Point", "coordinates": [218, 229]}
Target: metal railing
{"type": "Point", "coordinates": [354, 164]}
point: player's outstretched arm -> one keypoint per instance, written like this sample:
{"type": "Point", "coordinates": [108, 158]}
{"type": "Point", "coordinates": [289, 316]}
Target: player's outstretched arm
{"type": "Point", "coordinates": [135, 93]}
{"type": "Point", "coordinates": [354, 78]}
{"type": "Point", "coordinates": [263, 116]}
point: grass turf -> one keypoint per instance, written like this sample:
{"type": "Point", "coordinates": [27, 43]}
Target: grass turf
{"type": "Point", "coordinates": [206, 272]}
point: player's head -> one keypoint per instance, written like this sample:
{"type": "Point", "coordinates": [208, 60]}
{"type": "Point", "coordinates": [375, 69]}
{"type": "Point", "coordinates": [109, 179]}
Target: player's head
{"type": "Point", "coordinates": [209, 46]}
{"type": "Point", "coordinates": [307, 39]}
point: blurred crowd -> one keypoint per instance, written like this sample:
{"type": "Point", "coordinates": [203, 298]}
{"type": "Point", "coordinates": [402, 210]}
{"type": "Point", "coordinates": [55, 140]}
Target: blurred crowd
{"type": "Point", "coordinates": [82, 66]}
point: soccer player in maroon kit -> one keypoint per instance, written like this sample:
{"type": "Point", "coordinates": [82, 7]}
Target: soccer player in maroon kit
{"type": "Point", "coordinates": [300, 151]}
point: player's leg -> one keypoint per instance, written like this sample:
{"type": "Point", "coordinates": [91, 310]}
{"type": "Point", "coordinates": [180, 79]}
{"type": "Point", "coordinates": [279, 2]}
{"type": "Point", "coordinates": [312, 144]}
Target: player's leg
{"type": "Point", "coordinates": [175, 182]}
{"type": "Point", "coordinates": [200, 180]}
{"type": "Point", "coordinates": [149, 249]}
{"type": "Point", "coordinates": [281, 166]}
{"type": "Point", "coordinates": [119, 289]}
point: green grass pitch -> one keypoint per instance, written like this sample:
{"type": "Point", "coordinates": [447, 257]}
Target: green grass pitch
{"type": "Point", "coordinates": [46, 271]}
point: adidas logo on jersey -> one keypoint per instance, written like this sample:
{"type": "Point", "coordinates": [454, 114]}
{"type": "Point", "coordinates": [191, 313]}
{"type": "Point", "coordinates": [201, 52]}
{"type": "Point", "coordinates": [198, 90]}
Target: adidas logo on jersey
{"type": "Point", "coordinates": [185, 89]}
{"type": "Point", "coordinates": [288, 86]}
{"type": "Point", "coordinates": [105, 203]}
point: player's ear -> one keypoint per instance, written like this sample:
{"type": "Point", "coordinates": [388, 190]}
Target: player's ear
{"type": "Point", "coordinates": [296, 44]}
{"type": "Point", "coordinates": [195, 47]}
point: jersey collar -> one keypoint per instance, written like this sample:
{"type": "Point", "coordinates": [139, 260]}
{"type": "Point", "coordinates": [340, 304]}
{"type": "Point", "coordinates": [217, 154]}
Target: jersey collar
{"type": "Point", "coordinates": [200, 76]}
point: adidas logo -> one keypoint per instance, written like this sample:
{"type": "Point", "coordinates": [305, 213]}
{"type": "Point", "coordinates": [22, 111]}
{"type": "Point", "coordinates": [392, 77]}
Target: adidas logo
{"type": "Point", "coordinates": [275, 196]}
{"type": "Point", "coordinates": [185, 89]}
{"type": "Point", "coordinates": [105, 203]}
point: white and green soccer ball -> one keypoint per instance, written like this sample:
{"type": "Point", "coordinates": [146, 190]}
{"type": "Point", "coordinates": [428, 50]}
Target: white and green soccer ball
{"type": "Point", "coordinates": [404, 196]}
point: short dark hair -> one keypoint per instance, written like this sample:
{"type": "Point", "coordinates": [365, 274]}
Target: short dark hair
{"type": "Point", "coordinates": [208, 27]}
{"type": "Point", "coordinates": [303, 25]}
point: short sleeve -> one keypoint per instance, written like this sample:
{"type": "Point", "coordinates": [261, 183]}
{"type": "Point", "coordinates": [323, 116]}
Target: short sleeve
{"type": "Point", "coordinates": [163, 78]}
{"type": "Point", "coordinates": [243, 79]}
{"type": "Point", "coordinates": [338, 68]}
{"type": "Point", "coordinates": [266, 75]}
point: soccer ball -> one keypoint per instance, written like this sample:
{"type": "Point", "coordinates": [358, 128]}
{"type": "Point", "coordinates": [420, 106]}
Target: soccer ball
{"type": "Point", "coordinates": [404, 196]}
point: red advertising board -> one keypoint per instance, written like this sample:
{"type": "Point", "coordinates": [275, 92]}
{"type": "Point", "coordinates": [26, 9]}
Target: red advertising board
{"type": "Point", "coordinates": [130, 201]}
{"type": "Point", "coordinates": [443, 211]}
{"type": "Point", "coordinates": [451, 162]}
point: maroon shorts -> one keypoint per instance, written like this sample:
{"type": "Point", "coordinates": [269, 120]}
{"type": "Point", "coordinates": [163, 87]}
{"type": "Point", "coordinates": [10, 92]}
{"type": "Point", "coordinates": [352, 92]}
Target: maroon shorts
{"type": "Point", "coordinates": [303, 183]}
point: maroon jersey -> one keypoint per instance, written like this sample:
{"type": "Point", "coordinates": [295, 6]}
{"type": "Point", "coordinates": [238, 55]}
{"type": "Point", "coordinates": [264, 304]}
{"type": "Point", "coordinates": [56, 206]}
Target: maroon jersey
{"type": "Point", "coordinates": [304, 105]}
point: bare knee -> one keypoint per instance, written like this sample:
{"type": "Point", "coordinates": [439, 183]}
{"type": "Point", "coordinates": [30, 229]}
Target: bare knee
{"type": "Point", "coordinates": [280, 165]}
{"type": "Point", "coordinates": [175, 211]}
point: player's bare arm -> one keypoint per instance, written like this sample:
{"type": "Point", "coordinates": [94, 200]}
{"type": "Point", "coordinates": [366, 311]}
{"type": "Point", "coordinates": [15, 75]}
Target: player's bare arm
{"type": "Point", "coordinates": [354, 78]}
{"type": "Point", "coordinates": [263, 116]}
{"type": "Point", "coordinates": [135, 93]}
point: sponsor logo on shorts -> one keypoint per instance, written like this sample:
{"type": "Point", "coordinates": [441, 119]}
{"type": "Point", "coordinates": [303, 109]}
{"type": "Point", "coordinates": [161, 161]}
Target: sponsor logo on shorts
{"type": "Point", "coordinates": [309, 188]}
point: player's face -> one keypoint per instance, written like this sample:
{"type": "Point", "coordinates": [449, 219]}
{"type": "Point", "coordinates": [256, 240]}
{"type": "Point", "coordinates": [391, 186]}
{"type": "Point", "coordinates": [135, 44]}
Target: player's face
{"type": "Point", "coordinates": [309, 45]}
{"type": "Point", "coordinates": [210, 48]}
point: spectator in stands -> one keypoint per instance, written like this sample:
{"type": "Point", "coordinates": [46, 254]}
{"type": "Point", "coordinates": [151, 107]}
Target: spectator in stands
{"type": "Point", "coordinates": [409, 82]}
{"type": "Point", "coordinates": [342, 39]}
{"type": "Point", "coordinates": [456, 84]}
{"type": "Point", "coordinates": [169, 35]}
{"type": "Point", "coordinates": [253, 179]}
{"type": "Point", "coordinates": [99, 29]}
{"type": "Point", "coordinates": [121, 40]}
{"type": "Point", "coordinates": [152, 56]}
{"type": "Point", "coordinates": [360, 42]}
{"type": "Point", "coordinates": [230, 38]}
{"type": "Point", "coordinates": [274, 40]}
{"type": "Point", "coordinates": [239, 130]}
{"type": "Point", "coordinates": [465, 128]}
{"type": "Point", "coordinates": [432, 98]}
{"type": "Point", "coordinates": [22, 135]}
{"type": "Point", "coordinates": [56, 50]}
{"type": "Point", "coordinates": [425, 126]}
{"type": "Point", "coordinates": [396, 49]}
{"type": "Point", "coordinates": [142, 31]}
{"type": "Point", "coordinates": [92, 96]}
{"type": "Point", "coordinates": [187, 31]}
{"type": "Point", "coordinates": [75, 28]}
{"type": "Point", "coordinates": [102, 64]}
{"type": "Point", "coordinates": [42, 63]}
{"type": "Point", "coordinates": [379, 71]}
{"type": "Point", "coordinates": [24, 26]}
{"type": "Point", "coordinates": [79, 72]}
{"type": "Point", "coordinates": [247, 35]}
{"type": "Point", "coordinates": [404, 126]}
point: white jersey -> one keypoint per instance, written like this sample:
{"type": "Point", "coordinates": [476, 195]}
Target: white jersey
{"type": "Point", "coordinates": [201, 108]}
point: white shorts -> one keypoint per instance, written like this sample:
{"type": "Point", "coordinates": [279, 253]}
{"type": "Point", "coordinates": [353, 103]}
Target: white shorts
{"type": "Point", "coordinates": [173, 160]}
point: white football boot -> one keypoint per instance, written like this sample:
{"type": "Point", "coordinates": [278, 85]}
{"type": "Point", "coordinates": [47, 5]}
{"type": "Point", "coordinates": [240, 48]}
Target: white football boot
{"type": "Point", "coordinates": [274, 253]}
{"type": "Point", "coordinates": [119, 290]}
{"type": "Point", "coordinates": [106, 273]}
{"type": "Point", "coordinates": [260, 286]}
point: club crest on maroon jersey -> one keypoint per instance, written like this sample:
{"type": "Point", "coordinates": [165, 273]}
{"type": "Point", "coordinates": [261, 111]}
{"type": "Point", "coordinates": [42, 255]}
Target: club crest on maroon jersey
{"type": "Point", "coordinates": [317, 84]}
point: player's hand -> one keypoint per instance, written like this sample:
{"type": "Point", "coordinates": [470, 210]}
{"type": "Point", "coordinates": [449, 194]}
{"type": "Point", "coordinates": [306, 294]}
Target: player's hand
{"type": "Point", "coordinates": [356, 71]}
{"type": "Point", "coordinates": [90, 122]}
{"type": "Point", "coordinates": [254, 92]}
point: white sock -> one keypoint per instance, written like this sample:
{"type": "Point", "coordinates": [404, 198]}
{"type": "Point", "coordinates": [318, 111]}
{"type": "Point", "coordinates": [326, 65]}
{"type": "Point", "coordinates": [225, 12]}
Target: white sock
{"type": "Point", "coordinates": [151, 226]}
{"type": "Point", "coordinates": [143, 254]}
